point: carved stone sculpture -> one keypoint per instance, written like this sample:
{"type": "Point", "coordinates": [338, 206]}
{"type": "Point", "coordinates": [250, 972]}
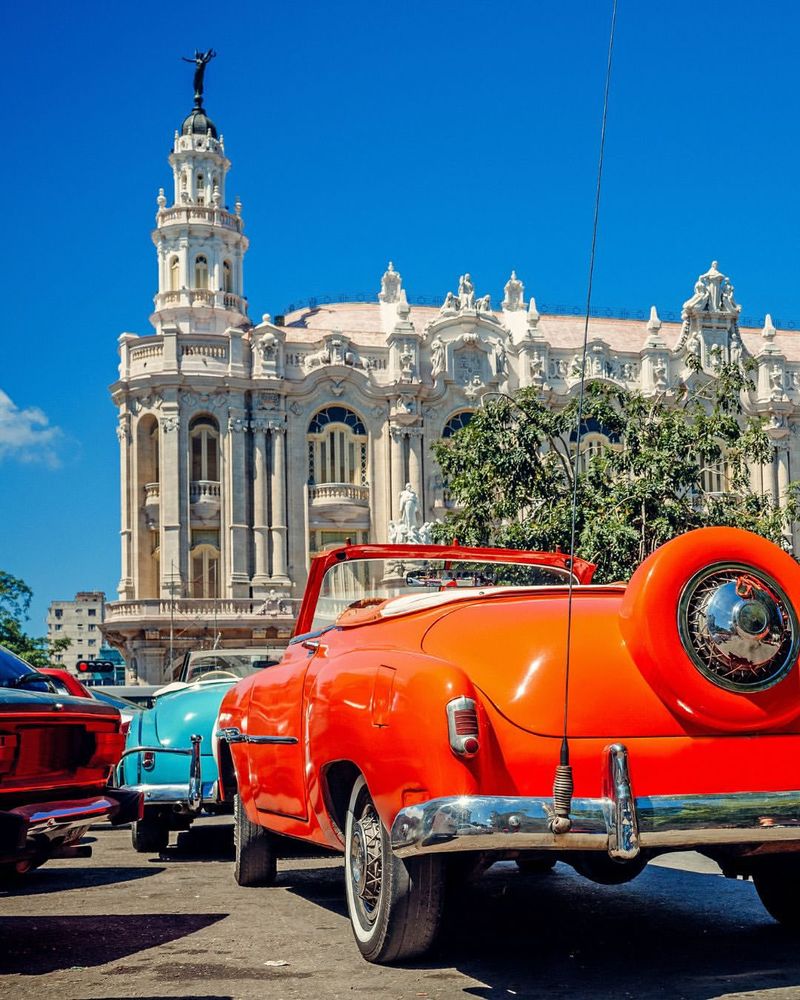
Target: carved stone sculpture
{"type": "Point", "coordinates": [437, 358]}
{"type": "Point", "coordinates": [390, 285]}
{"type": "Point", "coordinates": [466, 292]}
{"type": "Point", "coordinates": [512, 294]}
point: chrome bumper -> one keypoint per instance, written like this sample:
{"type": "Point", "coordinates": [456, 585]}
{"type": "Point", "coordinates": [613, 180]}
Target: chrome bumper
{"type": "Point", "coordinates": [33, 828]}
{"type": "Point", "coordinates": [617, 822]}
{"type": "Point", "coordinates": [178, 795]}
{"type": "Point", "coordinates": [190, 796]}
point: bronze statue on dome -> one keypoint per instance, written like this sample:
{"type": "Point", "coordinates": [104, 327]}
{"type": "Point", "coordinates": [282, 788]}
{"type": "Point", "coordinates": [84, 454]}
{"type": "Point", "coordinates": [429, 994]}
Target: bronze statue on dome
{"type": "Point", "coordinates": [201, 60]}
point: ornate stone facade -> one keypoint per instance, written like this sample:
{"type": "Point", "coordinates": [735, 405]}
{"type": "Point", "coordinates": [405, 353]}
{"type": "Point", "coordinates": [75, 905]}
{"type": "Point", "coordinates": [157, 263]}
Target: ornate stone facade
{"type": "Point", "coordinates": [246, 447]}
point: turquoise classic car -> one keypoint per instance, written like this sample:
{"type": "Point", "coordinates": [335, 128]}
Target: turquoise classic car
{"type": "Point", "coordinates": [168, 754]}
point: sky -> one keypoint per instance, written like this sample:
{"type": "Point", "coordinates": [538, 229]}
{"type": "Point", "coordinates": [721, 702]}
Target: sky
{"type": "Point", "coordinates": [447, 137]}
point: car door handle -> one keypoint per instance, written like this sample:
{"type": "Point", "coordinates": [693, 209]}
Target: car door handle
{"type": "Point", "coordinates": [310, 644]}
{"type": "Point", "coordinates": [234, 735]}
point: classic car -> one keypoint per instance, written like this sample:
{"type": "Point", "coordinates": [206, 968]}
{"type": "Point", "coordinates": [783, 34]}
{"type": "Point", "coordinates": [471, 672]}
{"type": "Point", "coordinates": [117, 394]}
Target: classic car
{"type": "Point", "coordinates": [168, 755]}
{"type": "Point", "coordinates": [57, 753]}
{"type": "Point", "coordinates": [440, 706]}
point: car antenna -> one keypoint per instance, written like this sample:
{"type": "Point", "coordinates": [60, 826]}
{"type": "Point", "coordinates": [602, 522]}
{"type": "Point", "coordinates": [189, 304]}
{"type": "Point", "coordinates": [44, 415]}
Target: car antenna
{"type": "Point", "coordinates": [563, 785]}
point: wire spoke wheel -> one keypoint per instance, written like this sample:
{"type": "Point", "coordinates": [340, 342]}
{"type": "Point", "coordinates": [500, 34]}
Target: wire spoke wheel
{"type": "Point", "coordinates": [395, 906]}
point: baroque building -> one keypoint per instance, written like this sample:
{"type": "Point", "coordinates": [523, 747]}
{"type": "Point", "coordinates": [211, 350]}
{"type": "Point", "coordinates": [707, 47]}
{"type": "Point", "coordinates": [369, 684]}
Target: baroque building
{"type": "Point", "coordinates": [246, 446]}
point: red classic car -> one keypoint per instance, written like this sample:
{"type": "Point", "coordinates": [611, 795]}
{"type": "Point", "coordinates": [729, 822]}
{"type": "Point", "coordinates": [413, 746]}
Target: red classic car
{"type": "Point", "coordinates": [451, 705]}
{"type": "Point", "coordinates": [56, 758]}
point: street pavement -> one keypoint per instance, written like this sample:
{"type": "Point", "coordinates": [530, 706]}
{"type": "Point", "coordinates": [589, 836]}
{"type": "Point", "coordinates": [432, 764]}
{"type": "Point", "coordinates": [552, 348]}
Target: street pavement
{"type": "Point", "coordinates": [126, 925]}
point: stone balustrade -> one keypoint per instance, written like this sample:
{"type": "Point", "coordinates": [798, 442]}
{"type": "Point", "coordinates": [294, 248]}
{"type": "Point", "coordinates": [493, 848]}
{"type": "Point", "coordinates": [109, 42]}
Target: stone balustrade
{"type": "Point", "coordinates": [191, 608]}
{"type": "Point", "coordinates": [326, 493]}
{"type": "Point", "coordinates": [205, 296]}
{"type": "Point", "coordinates": [184, 214]}
{"type": "Point", "coordinates": [204, 489]}
{"type": "Point", "coordinates": [152, 492]}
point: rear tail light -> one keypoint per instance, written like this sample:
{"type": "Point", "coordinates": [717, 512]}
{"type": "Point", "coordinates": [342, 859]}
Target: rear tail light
{"type": "Point", "coordinates": [107, 749]}
{"type": "Point", "coordinates": [8, 751]}
{"type": "Point", "coordinates": [462, 726]}
{"type": "Point", "coordinates": [148, 760]}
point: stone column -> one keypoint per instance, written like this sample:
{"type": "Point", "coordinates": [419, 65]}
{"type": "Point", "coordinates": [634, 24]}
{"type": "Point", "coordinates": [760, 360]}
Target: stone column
{"type": "Point", "coordinates": [170, 496]}
{"type": "Point", "coordinates": [125, 588]}
{"type": "Point", "coordinates": [279, 528]}
{"type": "Point", "coordinates": [239, 579]}
{"type": "Point", "coordinates": [397, 470]}
{"type": "Point", "coordinates": [415, 464]}
{"type": "Point", "coordinates": [261, 489]}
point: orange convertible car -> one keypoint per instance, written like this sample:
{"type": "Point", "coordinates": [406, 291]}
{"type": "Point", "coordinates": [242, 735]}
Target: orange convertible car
{"type": "Point", "coordinates": [431, 709]}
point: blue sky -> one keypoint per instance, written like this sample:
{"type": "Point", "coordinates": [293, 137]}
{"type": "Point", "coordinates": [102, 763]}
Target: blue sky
{"type": "Point", "coordinates": [445, 136]}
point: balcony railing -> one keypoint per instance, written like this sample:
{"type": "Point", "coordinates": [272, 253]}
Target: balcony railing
{"type": "Point", "coordinates": [198, 608]}
{"type": "Point", "coordinates": [188, 297]}
{"type": "Point", "coordinates": [204, 489]}
{"type": "Point", "coordinates": [199, 213]}
{"type": "Point", "coordinates": [349, 493]}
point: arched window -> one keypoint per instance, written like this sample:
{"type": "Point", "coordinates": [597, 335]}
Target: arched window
{"type": "Point", "coordinates": [174, 274]}
{"type": "Point", "coordinates": [227, 276]}
{"type": "Point", "coordinates": [201, 272]}
{"type": "Point", "coordinates": [337, 447]}
{"type": "Point", "coordinates": [204, 449]}
{"type": "Point", "coordinates": [201, 189]}
{"type": "Point", "coordinates": [205, 564]}
{"type": "Point", "coordinates": [456, 422]}
{"type": "Point", "coordinates": [594, 441]}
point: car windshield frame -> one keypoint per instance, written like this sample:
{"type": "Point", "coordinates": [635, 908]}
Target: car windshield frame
{"type": "Point", "coordinates": [258, 660]}
{"type": "Point", "coordinates": [12, 667]}
{"type": "Point", "coordinates": [308, 619]}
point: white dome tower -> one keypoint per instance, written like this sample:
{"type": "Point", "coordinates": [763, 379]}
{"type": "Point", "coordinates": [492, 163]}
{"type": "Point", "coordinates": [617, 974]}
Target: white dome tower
{"type": "Point", "coordinates": [200, 243]}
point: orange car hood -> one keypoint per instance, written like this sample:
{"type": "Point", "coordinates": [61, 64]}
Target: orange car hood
{"type": "Point", "coordinates": [514, 650]}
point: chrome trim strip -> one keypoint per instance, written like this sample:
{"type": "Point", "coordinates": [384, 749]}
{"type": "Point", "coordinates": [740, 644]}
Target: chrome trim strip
{"type": "Point", "coordinates": [193, 797]}
{"type": "Point", "coordinates": [489, 823]}
{"type": "Point", "coordinates": [621, 818]}
{"type": "Point", "coordinates": [234, 735]}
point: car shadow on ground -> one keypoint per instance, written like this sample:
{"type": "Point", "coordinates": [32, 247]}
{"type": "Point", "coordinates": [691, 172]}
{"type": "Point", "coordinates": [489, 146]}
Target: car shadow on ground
{"type": "Point", "coordinates": [33, 946]}
{"type": "Point", "coordinates": [669, 933]}
{"type": "Point", "coordinates": [47, 879]}
{"type": "Point", "coordinates": [201, 842]}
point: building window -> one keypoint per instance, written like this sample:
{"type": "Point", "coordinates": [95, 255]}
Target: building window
{"type": "Point", "coordinates": [337, 448]}
{"type": "Point", "coordinates": [201, 272]}
{"type": "Point", "coordinates": [92, 642]}
{"type": "Point", "coordinates": [174, 274]}
{"type": "Point", "coordinates": [59, 613]}
{"type": "Point", "coordinates": [715, 478]}
{"type": "Point", "coordinates": [204, 444]}
{"type": "Point", "coordinates": [92, 612]}
{"type": "Point", "coordinates": [92, 628]}
{"type": "Point", "coordinates": [59, 627]}
{"type": "Point", "coordinates": [456, 422]}
{"type": "Point", "coordinates": [326, 539]}
{"type": "Point", "coordinates": [59, 658]}
{"type": "Point", "coordinates": [205, 563]}
{"type": "Point", "coordinates": [594, 441]}
{"type": "Point", "coordinates": [227, 276]}
{"type": "Point", "coordinates": [201, 189]}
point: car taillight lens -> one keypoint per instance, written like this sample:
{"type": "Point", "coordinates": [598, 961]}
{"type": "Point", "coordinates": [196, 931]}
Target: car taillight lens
{"type": "Point", "coordinates": [107, 749]}
{"type": "Point", "coordinates": [462, 727]}
{"type": "Point", "coordinates": [148, 760]}
{"type": "Point", "coordinates": [8, 751]}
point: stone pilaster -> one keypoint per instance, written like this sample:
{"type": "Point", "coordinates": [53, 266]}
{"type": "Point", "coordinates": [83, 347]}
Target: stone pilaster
{"type": "Point", "coordinates": [238, 583]}
{"type": "Point", "coordinates": [170, 506]}
{"type": "Point", "coordinates": [261, 490]}
{"type": "Point", "coordinates": [279, 528]}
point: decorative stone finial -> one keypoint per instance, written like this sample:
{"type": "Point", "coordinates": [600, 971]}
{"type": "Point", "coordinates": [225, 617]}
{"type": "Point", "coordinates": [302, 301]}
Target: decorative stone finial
{"type": "Point", "coordinates": [237, 207]}
{"type": "Point", "coordinates": [161, 199]}
{"type": "Point", "coordinates": [768, 333]}
{"type": "Point", "coordinates": [533, 313]}
{"type": "Point", "coordinates": [403, 308]}
{"type": "Point", "coordinates": [266, 318]}
{"type": "Point", "coordinates": [654, 323]}
{"type": "Point", "coordinates": [391, 285]}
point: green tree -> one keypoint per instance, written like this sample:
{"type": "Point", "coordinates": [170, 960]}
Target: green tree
{"type": "Point", "coordinates": [15, 602]}
{"type": "Point", "coordinates": [511, 471]}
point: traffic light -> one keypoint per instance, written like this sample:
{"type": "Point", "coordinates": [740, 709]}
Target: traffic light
{"type": "Point", "coordinates": [95, 667]}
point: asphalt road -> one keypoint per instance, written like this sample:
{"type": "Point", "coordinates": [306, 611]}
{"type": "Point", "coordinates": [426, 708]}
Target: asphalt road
{"type": "Point", "coordinates": [128, 925]}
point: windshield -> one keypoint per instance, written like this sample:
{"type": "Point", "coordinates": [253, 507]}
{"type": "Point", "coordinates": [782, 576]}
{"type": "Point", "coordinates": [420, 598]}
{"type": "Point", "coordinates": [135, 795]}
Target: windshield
{"type": "Point", "coordinates": [12, 668]}
{"type": "Point", "coordinates": [113, 699]}
{"type": "Point", "coordinates": [359, 582]}
{"type": "Point", "coordinates": [219, 663]}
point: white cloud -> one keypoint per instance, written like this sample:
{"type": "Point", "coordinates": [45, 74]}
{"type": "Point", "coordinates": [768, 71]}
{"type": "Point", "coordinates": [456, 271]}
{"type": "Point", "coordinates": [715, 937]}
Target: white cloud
{"type": "Point", "coordinates": [26, 435]}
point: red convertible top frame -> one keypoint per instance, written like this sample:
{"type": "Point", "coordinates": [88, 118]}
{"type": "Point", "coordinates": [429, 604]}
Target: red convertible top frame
{"type": "Point", "coordinates": [320, 564]}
